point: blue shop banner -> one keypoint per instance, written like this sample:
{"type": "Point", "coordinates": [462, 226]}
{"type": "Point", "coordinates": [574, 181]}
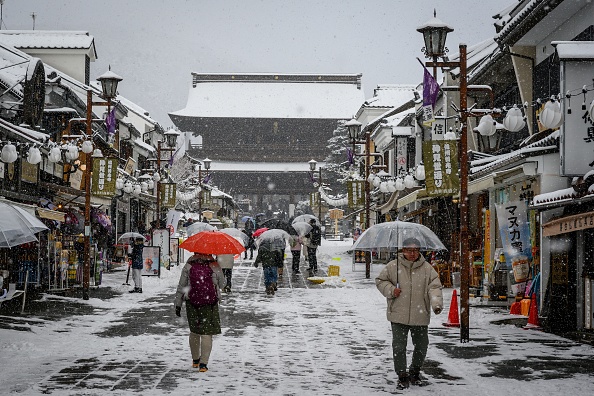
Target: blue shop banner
{"type": "Point", "coordinates": [514, 229]}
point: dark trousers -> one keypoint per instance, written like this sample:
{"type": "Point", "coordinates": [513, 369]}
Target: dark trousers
{"type": "Point", "coordinates": [313, 260]}
{"type": "Point", "coordinates": [420, 339]}
{"type": "Point", "coordinates": [228, 272]}
{"type": "Point", "coordinates": [251, 249]}
{"type": "Point", "coordinates": [296, 256]}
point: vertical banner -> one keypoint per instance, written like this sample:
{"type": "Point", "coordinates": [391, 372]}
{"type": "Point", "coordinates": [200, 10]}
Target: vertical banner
{"type": "Point", "coordinates": [168, 191]}
{"type": "Point", "coordinates": [173, 217]}
{"type": "Point", "coordinates": [515, 237]}
{"type": "Point", "coordinates": [487, 242]}
{"type": "Point", "coordinates": [356, 193]}
{"type": "Point", "coordinates": [401, 159]}
{"type": "Point", "coordinates": [441, 167]}
{"type": "Point", "coordinates": [104, 177]}
{"type": "Point", "coordinates": [314, 199]}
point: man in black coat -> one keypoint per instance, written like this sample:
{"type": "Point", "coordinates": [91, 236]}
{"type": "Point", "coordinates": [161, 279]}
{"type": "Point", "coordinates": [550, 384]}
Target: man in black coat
{"type": "Point", "coordinates": [315, 240]}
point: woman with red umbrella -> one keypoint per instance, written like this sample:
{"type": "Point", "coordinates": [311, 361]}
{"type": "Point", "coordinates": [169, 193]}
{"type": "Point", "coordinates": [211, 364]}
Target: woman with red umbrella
{"type": "Point", "coordinates": [199, 286]}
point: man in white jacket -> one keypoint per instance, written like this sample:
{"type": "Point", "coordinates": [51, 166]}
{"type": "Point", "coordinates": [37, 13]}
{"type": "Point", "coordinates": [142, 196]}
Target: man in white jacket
{"type": "Point", "coordinates": [412, 289]}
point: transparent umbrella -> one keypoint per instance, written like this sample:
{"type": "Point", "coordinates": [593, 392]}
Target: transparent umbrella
{"type": "Point", "coordinates": [274, 239]}
{"type": "Point", "coordinates": [305, 218]}
{"type": "Point", "coordinates": [390, 236]}
{"type": "Point", "coordinates": [17, 226]}
{"type": "Point", "coordinates": [195, 228]}
{"type": "Point", "coordinates": [237, 234]}
{"type": "Point", "coordinates": [302, 228]}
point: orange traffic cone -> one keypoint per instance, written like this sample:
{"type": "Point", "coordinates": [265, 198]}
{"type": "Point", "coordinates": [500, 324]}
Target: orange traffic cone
{"type": "Point", "coordinates": [515, 309]}
{"type": "Point", "coordinates": [453, 317]}
{"type": "Point", "coordinates": [533, 316]}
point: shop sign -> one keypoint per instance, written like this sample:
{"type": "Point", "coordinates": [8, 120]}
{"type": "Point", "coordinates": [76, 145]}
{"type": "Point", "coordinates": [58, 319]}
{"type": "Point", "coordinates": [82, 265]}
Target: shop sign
{"type": "Point", "coordinates": [104, 177]}
{"type": "Point", "coordinates": [28, 172]}
{"type": "Point", "coordinates": [206, 197]}
{"type": "Point", "coordinates": [438, 129]}
{"type": "Point", "coordinates": [441, 167]}
{"type": "Point", "coordinates": [76, 179]}
{"type": "Point", "coordinates": [356, 193]}
{"type": "Point", "coordinates": [401, 159]}
{"type": "Point", "coordinates": [314, 199]}
{"type": "Point", "coordinates": [568, 224]}
{"type": "Point", "coordinates": [130, 165]}
{"type": "Point", "coordinates": [168, 192]}
{"type": "Point", "coordinates": [515, 237]}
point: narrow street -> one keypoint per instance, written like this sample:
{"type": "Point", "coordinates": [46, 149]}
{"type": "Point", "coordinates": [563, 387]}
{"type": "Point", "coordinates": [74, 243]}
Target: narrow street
{"type": "Point", "coordinates": [327, 339]}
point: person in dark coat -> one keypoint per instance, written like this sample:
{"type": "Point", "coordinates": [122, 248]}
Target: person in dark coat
{"type": "Point", "coordinates": [137, 250]}
{"type": "Point", "coordinates": [314, 240]}
{"type": "Point", "coordinates": [251, 245]}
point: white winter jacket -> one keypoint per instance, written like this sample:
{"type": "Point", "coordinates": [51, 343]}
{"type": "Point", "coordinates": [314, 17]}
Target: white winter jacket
{"type": "Point", "coordinates": [420, 291]}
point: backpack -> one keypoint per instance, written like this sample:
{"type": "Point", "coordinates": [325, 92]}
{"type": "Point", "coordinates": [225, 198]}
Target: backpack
{"type": "Point", "coordinates": [202, 288]}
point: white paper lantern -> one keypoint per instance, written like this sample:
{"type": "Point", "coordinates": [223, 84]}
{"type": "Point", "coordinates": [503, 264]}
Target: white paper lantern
{"type": "Point", "coordinates": [151, 184]}
{"type": "Point", "coordinates": [87, 147]}
{"type": "Point", "coordinates": [420, 172]}
{"type": "Point", "coordinates": [514, 120]}
{"type": "Point", "coordinates": [377, 181]}
{"type": "Point", "coordinates": [144, 187]}
{"type": "Point", "coordinates": [156, 177]}
{"type": "Point", "coordinates": [409, 181]}
{"type": "Point", "coordinates": [591, 111]}
{"type": "Point", "coordinates": [34, 156]}
{"type": "Point", "coordinates": [55, 154]}
{"type": "Point", "coordinates": [97, 153]}
{"type": "Point", "coordinates": [9, 153]}
{"type": "Point", "coordinates": [399, 184]}
{"type": "Point", "coordinates": [391, 185]}
{"type": "Point", "coordinates": [371, 178]}
{"type": "Point", "coordinates": [128, 187]}
{"type": "Point", "coordinates": [487, 126]}
{"type": "Point", "coordinates": [137, 190]}
{"type": "Point", "coordinates": [71, 152]}
{"type": "Point", "coordinates": [551, 116]}
{"type": "Point", "coordinates": [119, 183]}
{"type": "Point", "coordinates": [383, 187]}
{"type": "Point", "coordinates": [449, 135]}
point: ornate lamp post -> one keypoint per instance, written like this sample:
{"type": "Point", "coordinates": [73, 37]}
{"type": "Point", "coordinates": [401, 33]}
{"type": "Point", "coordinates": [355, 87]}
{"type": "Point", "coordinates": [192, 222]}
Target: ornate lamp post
{"type": "Point", "coordinates": [206, 162]}
{"type": "Point", "coordinates": [312, 167]}
{"type": "Point", "coordinates": [170, 141]}
{"type": "Point", "coordinates": [109, 86]}
{"type": "Point", "coordinates": [435, 33]}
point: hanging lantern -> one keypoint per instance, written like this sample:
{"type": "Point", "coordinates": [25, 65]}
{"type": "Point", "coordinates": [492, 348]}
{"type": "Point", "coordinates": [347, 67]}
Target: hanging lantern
{"type": "Point", "coordinates": [591, 111]}
{"type": "Point", "coordinates": [9, 153]}
{"type": "Point", "coordinates": [87, 147]}
{"type": "Point", "coordinates": [55, 154]}
{"type": "Point", "coordinates": [399, 184]}
{"type": "Point", "coordinates": [551, 116]}
{"type": "Point", "coordinates": [420, 172]}
{"type": "Point", "coordinates": [34, 156]}
{"type": "Point", "coordinates": [409, 181]}
{"type": "Point", "coordinates": [377, 181]}
{"type": "Point", "coordinates": [383, 187]}
{"type": "Point", "coordinates": [514, 120]}
{"type": "Point", "coordinates": [71, 152]}
{"type": "Point", "coordinates": [150, 184]}
{"type": "Point", "coordinates": [144, 187]}
{"type": "Point", "coordinates": [97, 153]}
{"type": "Point", "coordinates": [136, 190]}
{"type": "Point", "coordinates": [119, 183]}
{"type": "Point", "coordinates": [156, 177]}
{"type": "Point", "coordinates": [391, 185]}
{"type": "Point", "coordinates": [371, 178]}
{"type": "Point", "coordinates": [450, 135]}
{"type": "Point", "coordinates": [486, 126]}
{"type": "Point", "coordinates": [128, 187]}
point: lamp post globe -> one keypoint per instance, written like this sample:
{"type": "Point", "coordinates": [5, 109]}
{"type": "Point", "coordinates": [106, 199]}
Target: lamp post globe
{"type": "Point", "coordinates": [354, 129]}
{"type": "Point", "coordinates": [171, 137]}
{"type": "Point", "coordinates": [434, 34]}
{"type": "Point", "coordinates": [207, 163]}
{"type": "Point", "coordinates": [312, 164]}
{"type": "Point", "coordinates": [109, 84]}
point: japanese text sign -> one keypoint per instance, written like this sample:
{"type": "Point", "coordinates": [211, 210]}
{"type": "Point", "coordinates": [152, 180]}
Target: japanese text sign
{"type": "Point", "coordinates": [105, 171]}
{"type": "Point", "coordinates": [441, 167]}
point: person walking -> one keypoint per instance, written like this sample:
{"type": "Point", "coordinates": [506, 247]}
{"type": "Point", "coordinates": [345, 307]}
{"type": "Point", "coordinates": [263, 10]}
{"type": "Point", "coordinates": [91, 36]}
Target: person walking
{"type": "Point", "coordinates": [412, 288]}
{"type": "Point", "coordinates": [199, 286]}
{"type": "Point", "coordinates": [314, 240]}
{"type": "Point", "coordinates": [296, 243]}
{"type": "Point", "coordinates": [251, 245]}
{"type": "Point", "coordinates": [226, 262]}
{"type": "Point", "coordinates": [137, 250]}
{"type": "Point", "coordinates": [270, 260]}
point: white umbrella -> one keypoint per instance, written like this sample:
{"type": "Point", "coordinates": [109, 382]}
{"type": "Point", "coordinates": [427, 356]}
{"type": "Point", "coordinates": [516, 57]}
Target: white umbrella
{"type": "Point", "coordinates": [302, 228]}
{"type": "Point", "coordinates": [131, 235]}
{"type": "Point", "coordinates": [17, 226]}
{"type": "Point", "coordinates": [197, 227]}
{"type": "Point", "coordinates": [391, 235]}
{"type": "Point", "coordinates": [305, 218]}
{"type": "Point", "coordinates": [274, 239]}
{"type": "Point", "coordinates": [237, 234]}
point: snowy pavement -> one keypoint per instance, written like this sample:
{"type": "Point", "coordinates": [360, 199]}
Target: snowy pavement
{"type": "Point", "coordinates": [308, 339]}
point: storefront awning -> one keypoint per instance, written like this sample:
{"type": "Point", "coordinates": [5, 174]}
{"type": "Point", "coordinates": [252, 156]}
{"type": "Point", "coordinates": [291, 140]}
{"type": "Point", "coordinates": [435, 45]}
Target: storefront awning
{"type": "Point", "coordinates": [50, 214]}
{"type": "Point", "coordinates": [568, 224]}
{"type": "Point", "coordinates": [412, 197]}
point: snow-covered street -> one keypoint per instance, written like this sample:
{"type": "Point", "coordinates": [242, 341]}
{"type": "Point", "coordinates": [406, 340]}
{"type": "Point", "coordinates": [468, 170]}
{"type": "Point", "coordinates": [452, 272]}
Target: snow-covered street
{"type": "Point", "coordinates": [328, 339]}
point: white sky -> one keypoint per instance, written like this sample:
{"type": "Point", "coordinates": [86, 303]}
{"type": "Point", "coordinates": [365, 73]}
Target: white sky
{"type": "Point", "coordinates": [155, 44]}
{"type": "Point", "coordinates": [333, 340]}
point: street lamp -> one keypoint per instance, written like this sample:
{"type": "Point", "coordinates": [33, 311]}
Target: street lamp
{"type": "Point", "coordinates": [170, 141]}
{"type": "Point", "coordinates": [312, 167]}
{"type": "Point", "coordinates": [109, 85]}
{"type": "Point", "coordinates": [435, 33]}
{"type": "Point", "coordinates": [206, 162]}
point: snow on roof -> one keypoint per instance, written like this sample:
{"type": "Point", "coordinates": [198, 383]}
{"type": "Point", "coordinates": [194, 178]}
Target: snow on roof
{"type": "Point", "coordinates": [566, 194]}
{"type": "Point", "coordinates": [280, 98]}
{"type": "Point", "coordinates": [145, 146]}
{"type": "Point", "coordinates": [261, 167]}
{"type": "Point", "coordinates": [574, 49]}
{"type": "Point", "coordinates": [391, 95]}
{"type": "Point", "coordinates": [13, 68]}
{"type": "Point", "coordinates": [42, 39]}
{"type": "Point", "coordinates": [23, 132]}
{"type": "Point", "coordinates": [477, 55]}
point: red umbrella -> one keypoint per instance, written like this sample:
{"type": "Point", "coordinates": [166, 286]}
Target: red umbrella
{"type": "Point", "coordinates": [259, 232]}
{"type": "Point", "coordinates": [212, 242]}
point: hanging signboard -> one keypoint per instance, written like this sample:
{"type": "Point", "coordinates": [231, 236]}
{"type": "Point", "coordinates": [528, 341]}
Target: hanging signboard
{"type": "Point", "coordinates": [168, 192]}
{"type": "Point", "coordinates": [515, 237]}
{"type": "Point", "coordinates": [438, 129]}
{"type": "Point", "coordinates": [105, 173]}
{"type": "Point", "coordinates": [151, 256]}
{"type": "Point", "coordinates": [356, 193]}
{"type": "Point", "coordinates": [28, 172]}
{"type": "Point", "coordinates": [441, 167]}
{"type": "Point", "coordinates": [160, 238]}
{"type": "Point", "coordinates": [401, 164]}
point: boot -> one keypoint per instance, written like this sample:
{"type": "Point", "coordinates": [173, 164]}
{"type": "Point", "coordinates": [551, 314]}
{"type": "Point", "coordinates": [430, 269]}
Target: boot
{"type": "Point", "coordinates": [403, 380]}
{"type": "Point", "coordinates": [416, 378]}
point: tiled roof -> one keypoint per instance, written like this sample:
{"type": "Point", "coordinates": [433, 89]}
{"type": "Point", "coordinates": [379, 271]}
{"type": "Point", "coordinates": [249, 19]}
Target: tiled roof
{"type": "Point", "coordinates": [47, 39]}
